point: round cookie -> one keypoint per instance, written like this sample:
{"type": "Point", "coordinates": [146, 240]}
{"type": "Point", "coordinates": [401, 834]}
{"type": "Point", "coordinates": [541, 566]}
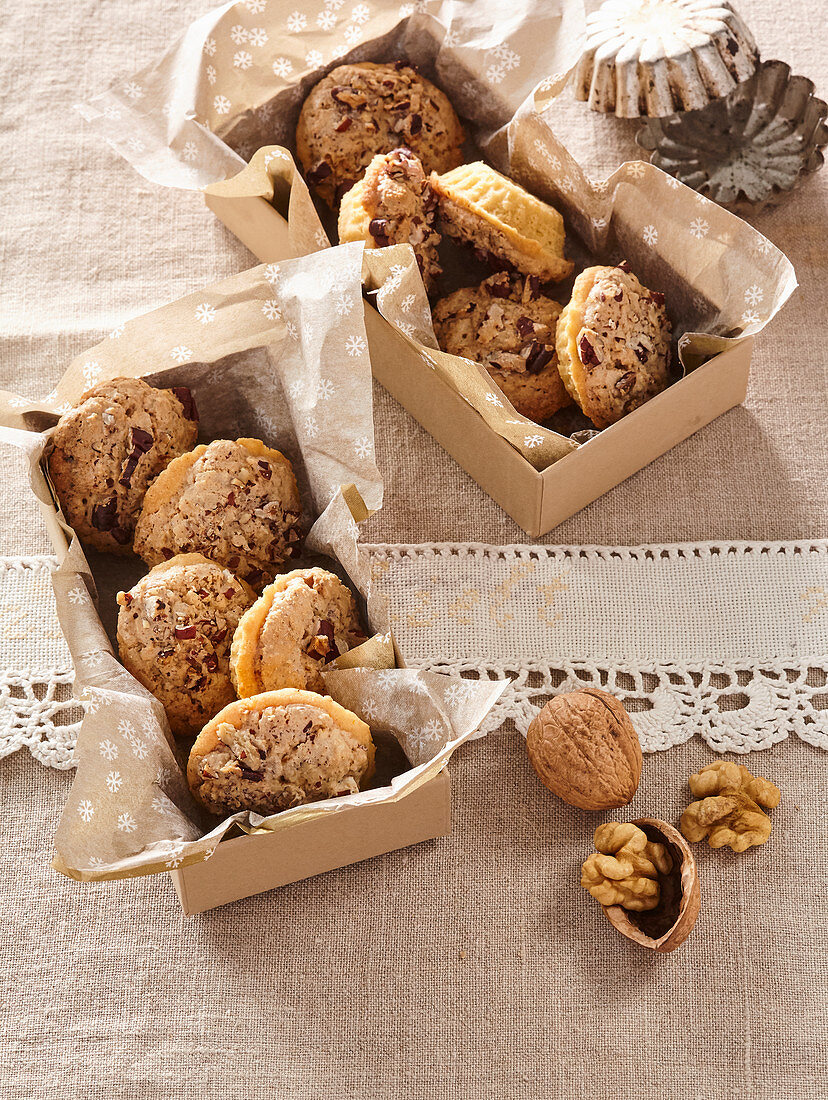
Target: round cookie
{"type": "Point", "coordinates": [302, 621]}
{"type": "Point", "coordinates": [503, 222]}
{"type": "Point", "coordinates": [235, 501]}
{"type": "Point", "coordinates": [175, 628]}
{"type": "Point", "coordinates": [508, 325]}
{"type": "Point", "coordinates": [393, 204]}
{"type": "Point", "coordinates": [613, 341]}
{"type": "Point", "coordinates": [105, 452]}
{"type": "Point", "coordinates": [277, 750]}
{"type": "Point", "coordinates": [359, 110]}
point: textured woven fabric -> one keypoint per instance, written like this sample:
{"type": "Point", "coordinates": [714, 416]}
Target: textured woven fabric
{"type": "Point", "coordinates": [466, 968]}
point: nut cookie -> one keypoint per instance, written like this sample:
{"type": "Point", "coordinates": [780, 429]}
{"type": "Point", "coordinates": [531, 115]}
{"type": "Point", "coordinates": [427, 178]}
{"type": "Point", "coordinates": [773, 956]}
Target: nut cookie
{"type": "Point", "coordinates": [277, 750]}
{"type": "Point", "coordinates": [357, 111]}
{"type": "Point", "coordinates": [505, 224]}
{"type": "Point", "coordinates": [105, 452]}
{"type": "Point", "coordinates": [508, 325]}
{"type": "Point", "coordinates": [300, 623]}
{"type": "Point", "coordinates": [393, 204]}
{"type": "Point", "coordinates": [613, 341]}
{"type": "Point", "coordinates": [235, 501]}
{"type": "Point", "coordinates": [174, 633]}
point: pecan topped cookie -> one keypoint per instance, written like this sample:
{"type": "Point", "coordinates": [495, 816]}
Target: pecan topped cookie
{"type": "Point", "coordinates": [359, 110]}
{"type": "Point", "coordinates": [613, 341]}
{"type": "Point", "coordinates": [393, 204]}
{"type": "Point", "coordinates": [508, 325]}
{"type": "Point", "coordinates": [104, 453]}
{"type": "Point", "coordinates": [235, 501]}
{"type": "Point", "coordinates": [175, 627]}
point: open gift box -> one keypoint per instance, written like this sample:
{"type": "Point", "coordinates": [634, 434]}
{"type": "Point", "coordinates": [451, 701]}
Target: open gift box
{"type": "Point", "coordinates": [278, 353]}
{"type": "Point", "coordinates": [234, 85]}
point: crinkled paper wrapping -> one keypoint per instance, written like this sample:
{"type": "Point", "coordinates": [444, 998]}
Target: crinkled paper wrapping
{"type": "Point", "coordinates": [235, 82]}
{"type": "Point", "coordinates": [278, 352]}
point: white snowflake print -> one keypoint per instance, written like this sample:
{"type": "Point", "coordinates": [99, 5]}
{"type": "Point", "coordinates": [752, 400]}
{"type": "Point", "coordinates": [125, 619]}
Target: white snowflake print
{"type": "Point", "coordinates": [364, 447]}
{"type": "Point", "coordinates": [506, 56]}
{"type": "Point", "coordinates": [126, 823]}
{"type": "Point", "coordinates": [271, 273]}
{"type": "Point", "coordinates": [297, 22]}
{"type": "Point", "coordinates": [238, 34]}
{"type": "Point", "coordinates": [205, 313]}
{"type": "Point", "coordinates": [360, 13]}
{"type": "Point", "coordinates": [311, 428]}
{"type": "Point", "coordinates": [271, 309]}
{"type": "Point", "coordinates": [291, 330]}
{"type": "Point", "coordinates": [673, 182]}
{"type": "Point", "coordinates": [386, 677]}
{"type": "Point", "coordinates": [111, 112]}
{"type": "Point", "coordinates": [407, 304]}
{"type": "Point", "coordinates": [92, 700]}
{"type": "Point", "coordinates": [114, 781]}
{"type": "Point", "coordinates": [636, 169]}
{"type": "Point", "coordinates": [493, 399]}
{"type": "Point", "coordinates": [181, 353]}
{"type": "Point", "coordinates": [313, 59]}
{"type": "Point", "coordinates": [18, 402]}
{"type": "Point", "coordinates": [754, 295]}
{"type": "Point", "coordinates": [255, 7]}
{"type": "Point", "coordinates": [295, 389]}
{"type": "Point", "coordinates": [354, 346]}
{"type": "Point", "coordinates": [750, 317]}
{"type": "Point", "coordinates": [334, 5]}
{"type": "Point", "coordinates": [343, 306]}
{"type": "Point", "coordinates": [495, 73]}
{"type": "Point", "coordinates": [91, 372]}
{"type": "Point", "coordinates": [135, 145]}
{"type": "Point", "coordinates": [208, 852]}
{"type": "Point", "coordinates": [109, 750]}
{"type": "Point", "coordinates": [406, 10]}
{"type": "Point", "coordinates": [324, 389]}
{"type": "Point", "coordinates": [94, 864]}
{"type": "Point", "coordinates": [174, 862]}
{"type": "Point", "coordinates": [133, 90]}
{"type": "Point", "coordinates": [432, 730]}
{"type": "Point", "coordinates": [163, 776]}
{"type": "Point", "coordinates": [242, 59]}
{"type": "Point", "coordinates": [326, 20]}
{"type": "Point", "coordinates": [274, 154]}
{"type": "Point", "coordinates": [211, 74]}
{"type": "Point", "coordinates": [282, 67]}
{"type": "Point", "coordinates": [353, 35]}
{"type": "Point", "coordinates": [532, 441]}
{"type": "Point", "coordinates": [210, 47]}
{"type": "Point", "coordinates": [454, 694]}
{"type": "Point", "coordinates": [190, 151]}
{"type": "Point", "coordinates": [139, 748]}
{"type": "Point", "coordinates": [126, 728]}
{"type": "Point", "coordinates": [699, 228]}
{"type": "Point", "coordinates": [92, 661]}
{"type": "Point", "coordinates": [86, 809]}
{"type": "Point", "coordinates": [163, 807]}
{"type": "Point", "coordinates": [369, 709]}
{"type": "Point", "coordinates": [353, 529]}
{"type": "Point", "coordinates": [78, 595]}
{"type": "Point", "coordinates": [257, 37]}
{"type": "Point", "coordinates": [221, 105]}
{"type": "Point", "coordinates": [650, 235]}
{"type": "Point", "coordinates": [321, 238]}
{"type": "Point", "coordinates": [600, 223]}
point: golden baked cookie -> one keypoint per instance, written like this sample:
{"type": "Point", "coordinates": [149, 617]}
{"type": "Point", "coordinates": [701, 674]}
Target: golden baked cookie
{"type": "Point", "coordinates": [235, 501]}
{"type": "Point", "coordinates": [393, 204]}
{"type": "Point", "coordinates": [300, 623]}
{"type": "Point", "coordinates": [359, 110]}
{"type": "Point", "coordinates": [277, 750]}
{"type": "Point", "coordinates": [508, 325]}
{"type": "Point", "coordinates": [175, 627]}
{"type": "Point", "coordinates": [613, 341]}
{"type": "Point", "coordinates": [510, 227]}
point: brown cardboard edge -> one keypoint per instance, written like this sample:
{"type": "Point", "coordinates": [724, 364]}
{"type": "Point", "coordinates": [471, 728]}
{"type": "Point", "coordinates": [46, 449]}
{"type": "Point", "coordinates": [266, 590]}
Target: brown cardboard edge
{"type": "Point", "coordinates": [253, 864]}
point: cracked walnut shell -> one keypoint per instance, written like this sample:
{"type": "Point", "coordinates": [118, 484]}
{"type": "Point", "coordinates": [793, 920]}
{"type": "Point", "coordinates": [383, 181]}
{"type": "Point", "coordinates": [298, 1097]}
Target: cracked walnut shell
{"type": "Point", "coordinates": [585, 749]}
{"type": "Point", "coordinates": [625, 868]}
{"type": "Point", "coordinates": [729, 811]}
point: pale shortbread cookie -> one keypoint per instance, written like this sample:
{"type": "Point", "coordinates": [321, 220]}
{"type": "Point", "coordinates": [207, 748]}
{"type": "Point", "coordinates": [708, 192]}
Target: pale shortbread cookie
{"type": "Point", "coordinates": [175, 627]}
{"type": "Point", "coordinates": [508, 325]}
{"type": "Point", "coordinates": [277, 750]}
{"type": "Point", "coordinates": [235, 501]}
{"type": "Point", "coordinates": [500, 219]}
{"type": "Point", "coordinates": [613, 342]}
{"type": "Point", "coordinates": [357, 111]}
{"type": "Point", "coordinates": [104, 453]}
{"type": "Point", "coordinates": [300, 623]}
{"type": "Point", "coordinates": [394, 204]}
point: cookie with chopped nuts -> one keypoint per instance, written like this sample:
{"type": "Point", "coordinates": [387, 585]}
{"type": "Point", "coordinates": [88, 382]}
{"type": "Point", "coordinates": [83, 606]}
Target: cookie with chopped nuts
{"type": "Point", "coordinates": [300, 623]}
{"type": "Point", "coordinates": [393, 204]}
{"type": "Point", "coordinates": [357, 111]}
{"type": "Point", "coordinates": [235, 501]}
{"type": "Point", "coordinates": [508, 325]}
{"type": "Point", "coordinates": [277, 750]}
{"type": "Point", "coordinates": [506, 226]}
{"type": "Point", "coordinates": [175, 628]}
{"type": "Point", "coordinates": [613, 341]}
{"type": "Point", "coordinates": [103, 454]}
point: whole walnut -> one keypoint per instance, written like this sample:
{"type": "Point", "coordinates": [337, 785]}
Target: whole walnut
{"type": "Point", "coordinates": [625, 868]}
{"type": "Point", "coordinates": [729, 811]}
{"type": "Point", "coordinates": [585, 749]}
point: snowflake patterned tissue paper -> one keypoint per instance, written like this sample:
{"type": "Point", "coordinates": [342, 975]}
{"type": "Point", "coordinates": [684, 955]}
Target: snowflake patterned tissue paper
{"type": "Point", "coordinates": [278, 353]}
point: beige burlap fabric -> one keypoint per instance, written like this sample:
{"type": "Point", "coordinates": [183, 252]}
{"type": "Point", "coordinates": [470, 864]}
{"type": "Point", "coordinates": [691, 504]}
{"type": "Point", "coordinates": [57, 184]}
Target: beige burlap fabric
{"type": "Point", "coordinates": [464, 968]}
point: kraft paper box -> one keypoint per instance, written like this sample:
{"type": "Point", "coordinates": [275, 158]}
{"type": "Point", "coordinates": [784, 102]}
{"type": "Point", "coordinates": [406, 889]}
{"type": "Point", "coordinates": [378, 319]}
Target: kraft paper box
{"type": "Point", "coordinates": [229, 93]}
{"type": "Point", "coordinates": [278, 353]}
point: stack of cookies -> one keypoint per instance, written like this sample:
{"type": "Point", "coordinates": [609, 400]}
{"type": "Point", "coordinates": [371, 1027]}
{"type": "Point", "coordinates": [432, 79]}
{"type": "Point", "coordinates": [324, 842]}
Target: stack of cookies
{"type": "Point", "coordinates": [383, 146]}
{"type": "Point", "coordinates": [230, 643]}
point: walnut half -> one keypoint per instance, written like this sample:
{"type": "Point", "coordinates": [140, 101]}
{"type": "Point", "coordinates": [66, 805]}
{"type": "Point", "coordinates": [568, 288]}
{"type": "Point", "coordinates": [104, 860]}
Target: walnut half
{"type": "Point", "coordinates": [729, 811]}
{"type": "Point", "coordinates": [625, 868]}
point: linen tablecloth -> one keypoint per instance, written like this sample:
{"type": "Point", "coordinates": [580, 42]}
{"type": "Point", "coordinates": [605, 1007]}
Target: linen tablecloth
{"type": "Point", "coordinates": [468, 967]}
